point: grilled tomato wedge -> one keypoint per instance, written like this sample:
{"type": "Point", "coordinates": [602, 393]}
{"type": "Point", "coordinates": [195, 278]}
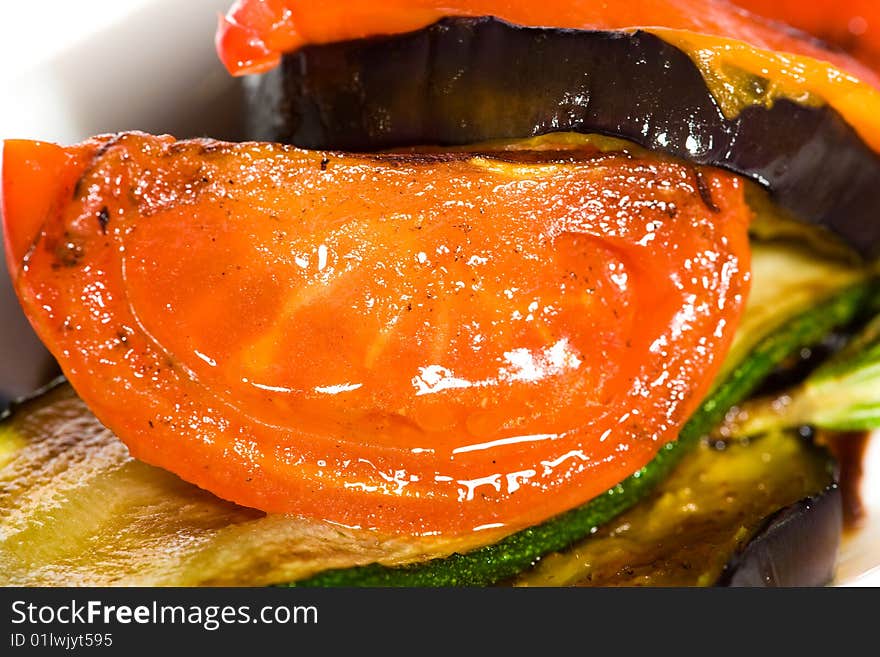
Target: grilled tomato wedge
{"type": "Point", "coordinates": [422, 343]}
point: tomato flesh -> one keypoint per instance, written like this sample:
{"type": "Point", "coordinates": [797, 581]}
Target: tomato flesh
{"type": "Point", "coordinates": [418, 344]}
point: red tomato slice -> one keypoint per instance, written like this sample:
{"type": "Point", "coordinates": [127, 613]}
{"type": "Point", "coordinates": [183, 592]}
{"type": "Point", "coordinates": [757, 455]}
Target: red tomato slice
{"type": "Point", "coordinates": [412, 343]}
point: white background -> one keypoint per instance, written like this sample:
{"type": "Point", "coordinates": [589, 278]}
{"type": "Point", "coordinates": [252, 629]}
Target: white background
{"type": "Point", "coordinates": [70, 69]}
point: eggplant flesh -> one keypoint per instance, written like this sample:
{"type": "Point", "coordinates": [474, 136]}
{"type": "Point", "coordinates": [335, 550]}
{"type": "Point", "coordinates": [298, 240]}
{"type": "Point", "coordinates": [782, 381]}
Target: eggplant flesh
{"type": "Point", "coordinates": [469, 80]}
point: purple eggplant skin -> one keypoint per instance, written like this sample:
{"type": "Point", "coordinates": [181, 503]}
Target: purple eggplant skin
{"type": "Point", "coordinates": [797, 547]}
{"type": "Point", "coordinates": [468, 80]}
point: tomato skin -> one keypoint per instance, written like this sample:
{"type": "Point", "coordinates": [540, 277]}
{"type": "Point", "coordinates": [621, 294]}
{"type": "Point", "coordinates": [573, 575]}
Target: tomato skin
{"type": "Point", "coordinates": [28, 166]}
{"type": "Point", "coordinates": [415, 344]}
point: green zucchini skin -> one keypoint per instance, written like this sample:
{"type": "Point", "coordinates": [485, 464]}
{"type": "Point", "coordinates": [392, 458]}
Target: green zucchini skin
{"type": "Point", "coordinates": [501, 561]}
{"type": "Point", "coordinates": [469, 80]}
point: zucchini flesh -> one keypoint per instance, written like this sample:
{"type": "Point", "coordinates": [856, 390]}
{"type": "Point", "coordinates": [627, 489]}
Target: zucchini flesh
{"type": "Point", "coordinates": [843, 394]}
{"type": "Point", "coordinates": [788, 279]}
{"type": "Point", "coordinates": [76, 509]}
{"type": "Point", "coordinates": [696, 520]}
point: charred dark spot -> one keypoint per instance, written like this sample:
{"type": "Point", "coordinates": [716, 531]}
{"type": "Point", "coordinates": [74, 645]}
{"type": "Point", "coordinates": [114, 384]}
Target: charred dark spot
{"type": "Point", "coordinates": [324, 162]}
{"type": "Point", "coordinates": [68, 252]}
{"type": "Point", "coordinates": [403, 158]}
{"type": "Point", "coordinates": [197, 146]}
{"type": "Point", "coordinates": [110, 143]}
{"type": "Point", "coordinates": [100, 152]}
{"type": "Point", "coordinates": [705, 192]}
{"type": "Point", "coordinates": [582, 155]}
{"type": "Point", "coordinates": [103, 219]}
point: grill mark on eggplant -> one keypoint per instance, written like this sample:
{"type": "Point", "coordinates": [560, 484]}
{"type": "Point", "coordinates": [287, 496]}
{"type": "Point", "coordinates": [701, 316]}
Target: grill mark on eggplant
{"type": "Point", "coordinates": [492, 80]}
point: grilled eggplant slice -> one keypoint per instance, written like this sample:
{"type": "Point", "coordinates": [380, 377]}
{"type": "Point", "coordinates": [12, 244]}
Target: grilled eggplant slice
{"type": "Point", "coordinates": [710, 511]}
{"type": "Point", "coordinates": [795, 548]}
{"type": "Point", "coordinates": [466, 80]}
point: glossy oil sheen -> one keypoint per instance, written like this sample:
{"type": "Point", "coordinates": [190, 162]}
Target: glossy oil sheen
{"type": "Point", "coordinates": [413, 343]}
{"type": "Point", "coordinates": [77, 510]}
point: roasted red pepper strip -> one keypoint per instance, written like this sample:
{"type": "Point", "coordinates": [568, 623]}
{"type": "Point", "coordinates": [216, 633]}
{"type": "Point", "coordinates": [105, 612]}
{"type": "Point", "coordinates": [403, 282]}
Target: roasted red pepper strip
{"type": "Point", "coordinates": [412, 343]}
{"type": "Point", "coordinates": [716, 34]}
{"type": "Point", "coordinates": [853, 25]}
{"type": "Point", "coordinates": [255, 33]}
